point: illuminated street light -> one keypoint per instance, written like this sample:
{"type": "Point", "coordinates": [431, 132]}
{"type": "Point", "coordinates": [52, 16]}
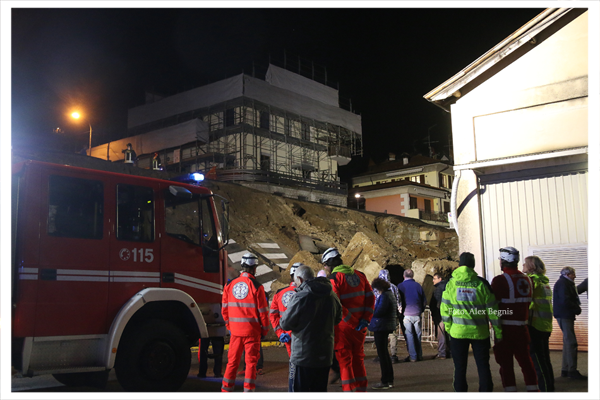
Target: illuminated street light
{"type": "Point", "coordinates": [76, 115]}
{"type": "Point", "coordinates": [357, 195]}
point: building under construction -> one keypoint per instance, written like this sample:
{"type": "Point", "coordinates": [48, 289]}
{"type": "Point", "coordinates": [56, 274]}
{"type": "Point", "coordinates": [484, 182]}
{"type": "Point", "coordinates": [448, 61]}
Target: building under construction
{"type": "Point", "coordinates": [286, 134]}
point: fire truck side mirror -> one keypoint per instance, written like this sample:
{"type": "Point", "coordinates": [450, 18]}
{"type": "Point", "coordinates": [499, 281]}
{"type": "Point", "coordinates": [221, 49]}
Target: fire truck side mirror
{"type": "Point", "coordinates": [179, 191]}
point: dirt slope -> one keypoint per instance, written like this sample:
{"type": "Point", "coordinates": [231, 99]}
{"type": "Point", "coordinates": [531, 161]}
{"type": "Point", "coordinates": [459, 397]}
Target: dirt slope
{"type": "Point", "coordinates": [257, 216]}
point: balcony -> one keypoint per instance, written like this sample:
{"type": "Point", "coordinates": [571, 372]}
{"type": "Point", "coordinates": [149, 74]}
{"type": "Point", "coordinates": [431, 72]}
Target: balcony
{"type": "Point", "coordinates": [433, 216]}
{"type": "Point", "coordinates": [339, 153]}
{"type": "Point", "coordinates": [438, 218]}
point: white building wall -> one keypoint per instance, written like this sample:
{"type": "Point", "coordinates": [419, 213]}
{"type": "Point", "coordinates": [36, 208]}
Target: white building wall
{"type": "Point", "coordinates": [536, 104]}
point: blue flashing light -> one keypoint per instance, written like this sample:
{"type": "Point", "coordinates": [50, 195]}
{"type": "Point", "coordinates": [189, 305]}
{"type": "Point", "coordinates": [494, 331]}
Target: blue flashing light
{"type": "Point", "coordinates": [197, 176]}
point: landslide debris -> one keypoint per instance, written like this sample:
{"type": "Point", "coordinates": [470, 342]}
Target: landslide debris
{"type": "Point", "coordinates": [368, 241]}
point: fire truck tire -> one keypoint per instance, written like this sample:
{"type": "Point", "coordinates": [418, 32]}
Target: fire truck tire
{"type": "Point", "coordinates": [97, 379]}
{"type": "Point", "coordinates": [155, 357]}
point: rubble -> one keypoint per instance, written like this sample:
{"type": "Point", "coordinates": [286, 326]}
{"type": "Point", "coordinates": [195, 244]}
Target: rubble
{"type": "Point", "coordinates": [367, 241]}
{"type": "Point", "coordinates": [424, 270]}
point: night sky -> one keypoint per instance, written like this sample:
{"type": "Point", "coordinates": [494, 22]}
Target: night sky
{"type": "Point", "coordinates": [103, 60]}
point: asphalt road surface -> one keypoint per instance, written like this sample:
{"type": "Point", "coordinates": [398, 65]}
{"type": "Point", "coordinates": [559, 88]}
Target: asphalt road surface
{"type": "Point", "coordinates": [430, 375]}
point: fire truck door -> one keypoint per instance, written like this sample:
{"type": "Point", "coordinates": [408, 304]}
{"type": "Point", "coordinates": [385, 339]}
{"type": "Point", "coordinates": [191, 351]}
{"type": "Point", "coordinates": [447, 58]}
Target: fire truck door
{"type": "Point", "coordinates": [73, 266]}
{"type": "Point", "coordinates": [188, 264]}
{"type": "Point", "coordinates": [135, 244]}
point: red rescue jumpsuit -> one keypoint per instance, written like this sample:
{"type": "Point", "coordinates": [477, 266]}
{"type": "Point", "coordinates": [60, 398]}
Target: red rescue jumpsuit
{"type": "Point", "coordinates": [278, 306]}
{"type": "Point", "coordinates": [514, 291]}
{"type": "Point", "coordinates": [356, 295]}
{"type": "Point", "coordinates": [246, 314]}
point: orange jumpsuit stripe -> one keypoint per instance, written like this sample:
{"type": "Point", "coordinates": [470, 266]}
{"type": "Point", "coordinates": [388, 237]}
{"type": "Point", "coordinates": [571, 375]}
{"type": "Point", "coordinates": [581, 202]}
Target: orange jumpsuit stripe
{"type": "Point", "coordinates": [245, 311]}
{"type": "Point", "coordinates": [356, 295]}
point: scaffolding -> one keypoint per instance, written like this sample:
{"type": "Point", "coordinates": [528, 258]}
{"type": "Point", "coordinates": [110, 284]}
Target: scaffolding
{"type": "Point", "coordinates": [277, 129]}
{"type": "Point", "coordinates": [249, 135]}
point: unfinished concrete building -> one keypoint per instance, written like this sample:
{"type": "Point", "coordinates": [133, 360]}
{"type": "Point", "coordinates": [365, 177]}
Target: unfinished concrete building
{"type": "Point", "coordinates": [285, 134]}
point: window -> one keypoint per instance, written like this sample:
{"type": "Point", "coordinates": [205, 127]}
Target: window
{"type": "Point", "coordinates": [75, 207]}
{"type": "Point", "coordinates": [229, 117]}
{"type": "Point", "coordinates": [265, 162]}
{"type": "Point", "coordinates": [445, 181]}
{"type": "Point", "coordinates": [413, 203]}
{"type": "Point", "coordinates": [135, 213]}
{"type": "Point", "coordinates": [305, 131]}
{"type": "Point", "coordinates": [210, 242]}
{"type": "Point", "coordinates": [182, 220]}
{"type": "Point", "coordinates": [427, 205]}
{"type": "Point", "coordinates": [288, 127]}
{"type": "Point", "coordinates": [446, 206]}
{"type": "Point", "coordinates": [422, 179]}
{"type": "Point", "coordinates": [264, 120]}
{"type": "Point", "coordinates": [229, 161]}
{"type": "Point", "coordinates": [209, 235]}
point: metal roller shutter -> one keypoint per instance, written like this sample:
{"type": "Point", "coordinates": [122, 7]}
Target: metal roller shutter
{"type": "Point", "coordinates": [555, 259]}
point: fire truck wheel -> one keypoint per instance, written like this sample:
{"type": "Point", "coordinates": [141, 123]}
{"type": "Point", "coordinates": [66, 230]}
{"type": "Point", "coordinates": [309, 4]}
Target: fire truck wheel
{"type": "Point", "coordinates": [154, 357]}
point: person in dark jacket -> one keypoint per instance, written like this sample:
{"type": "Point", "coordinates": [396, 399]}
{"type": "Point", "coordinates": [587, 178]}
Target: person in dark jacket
{"type": "Point", "coordinates": [311, 315]}
{"type": "Point", "coordinates": [582, 287]}
{"type": "Point", "coordinates": [443, 339]}
{"type": "Point", "coordinates": [384, 322]}
{"type": "Point", "coordinates": [393, 337]}
{"type": "Point", "coordinates": [415, 305]}
{"type": "Point", "coordinates": [566, 304]}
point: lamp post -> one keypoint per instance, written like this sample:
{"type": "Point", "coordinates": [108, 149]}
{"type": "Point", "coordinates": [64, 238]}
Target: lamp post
{"type": "Point", "coordinates": [357, 196]}
{"type": "Point", "coordinates": [76, 115]}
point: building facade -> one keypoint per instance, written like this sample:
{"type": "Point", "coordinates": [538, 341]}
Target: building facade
{"type": "Point", "coordinates": [285, 135]}
{"type": "Point", "coordinates": [520, 134]}
{"type": "Point", "coordinates": [415, 187]}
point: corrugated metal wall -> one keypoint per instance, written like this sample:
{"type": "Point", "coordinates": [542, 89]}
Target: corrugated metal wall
{"type": "Point", "coordinates": [543, 214]}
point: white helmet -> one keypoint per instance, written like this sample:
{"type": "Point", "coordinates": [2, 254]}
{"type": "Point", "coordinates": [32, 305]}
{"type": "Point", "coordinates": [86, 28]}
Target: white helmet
{"type": "Point", "coordinates": [509, 254]}
{"type": "Point", "coordinates": [329, 254]}
{"type": "Point", "coordinates": [294, 267]}
{"type": "Point", "coordinates": [249, 259]}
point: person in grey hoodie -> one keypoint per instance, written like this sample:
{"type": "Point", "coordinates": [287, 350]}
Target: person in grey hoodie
{"type": "Point", "coordinates": [311, 315]}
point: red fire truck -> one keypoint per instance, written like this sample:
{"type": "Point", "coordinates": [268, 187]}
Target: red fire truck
{"type": "Point", "coordinates": [113, 271]}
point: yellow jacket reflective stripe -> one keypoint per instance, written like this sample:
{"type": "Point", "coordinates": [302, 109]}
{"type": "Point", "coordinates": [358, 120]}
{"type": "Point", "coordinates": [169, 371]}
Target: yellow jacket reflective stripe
{"type": "Point", "coordinates": [540, 310]}
{"type": "Point", "coordinates": [469, 307]}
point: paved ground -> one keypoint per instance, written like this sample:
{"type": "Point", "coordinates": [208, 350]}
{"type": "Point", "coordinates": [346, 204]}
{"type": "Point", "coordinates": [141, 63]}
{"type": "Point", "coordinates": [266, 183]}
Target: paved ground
{"type": "Point", "coordinates": [430, 375]}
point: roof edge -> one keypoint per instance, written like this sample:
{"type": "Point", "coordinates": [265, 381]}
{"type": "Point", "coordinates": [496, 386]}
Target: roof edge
{"type": "Point", "coordinates": [451, 87]}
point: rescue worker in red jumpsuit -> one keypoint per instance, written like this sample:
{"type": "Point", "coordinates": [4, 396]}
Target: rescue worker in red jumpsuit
{"type": "Point", "coordinates": [279, 305]}
{"type": "Point", "coordinates": [246, 314]}
{"type": "Point", "coordinates": [513, 290]}
{"type": "Point", "coordinates": [356, 295]}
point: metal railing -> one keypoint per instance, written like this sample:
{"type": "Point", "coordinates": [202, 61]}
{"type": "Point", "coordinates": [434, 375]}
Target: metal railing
{"type": "Point", "coordinates": [428, 334]}
{"type": "Point", "coordinates": [433, 216]}
{"type": "Point", "coordinates": [339, 150]}
{"type": "Point", "coordinates": [278, 178]}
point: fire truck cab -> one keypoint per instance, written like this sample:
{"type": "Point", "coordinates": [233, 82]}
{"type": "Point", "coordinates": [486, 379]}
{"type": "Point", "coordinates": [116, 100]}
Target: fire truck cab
{"type": "Point", "coordinates": [113, 271]}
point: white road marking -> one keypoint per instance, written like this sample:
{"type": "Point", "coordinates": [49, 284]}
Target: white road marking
{"type": "Point", "coordinates": [268, 245]}
{"type": "Point", "coordinates": [263, 269]}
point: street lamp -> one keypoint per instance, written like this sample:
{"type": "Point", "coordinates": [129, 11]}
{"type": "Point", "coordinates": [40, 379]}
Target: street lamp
{"type": "Point", "coordinates": [76, 115]}
{"type": "Point", "coordinates": [357, 196]}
